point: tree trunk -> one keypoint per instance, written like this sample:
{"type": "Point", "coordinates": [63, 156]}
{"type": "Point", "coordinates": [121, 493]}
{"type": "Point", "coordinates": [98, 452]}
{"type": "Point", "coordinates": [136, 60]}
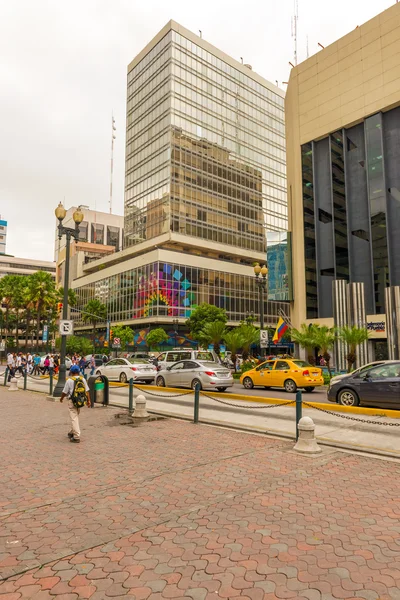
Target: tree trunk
{"type": "Point", "coordinates": [327, 358]}
{"type": "Point", "coordinates": [217, 348]}
{"type": "Point", "coordinates": [39, 312]}
{"type": "Point", "coordinates": [28, 318]}
{"type": "Point", "coordinates": [17, 329]}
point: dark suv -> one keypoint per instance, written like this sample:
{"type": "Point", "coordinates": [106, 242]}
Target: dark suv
{"type": "Point", "coordinates": [372, 385]}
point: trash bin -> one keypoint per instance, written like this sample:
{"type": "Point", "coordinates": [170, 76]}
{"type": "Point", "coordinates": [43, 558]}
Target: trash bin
{"type": "Point", "coordinates": [99, 392]}
{"type": "Point", "coordinates": [98, 389]}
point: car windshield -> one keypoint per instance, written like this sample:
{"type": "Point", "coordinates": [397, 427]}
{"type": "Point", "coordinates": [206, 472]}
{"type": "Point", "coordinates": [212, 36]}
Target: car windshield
{"type": "Point", "coordinates": [207, 356]}
{"type": "Point", "coordinates": [302, 363]}
{"type": "Point", "coordinates": [137, 361]}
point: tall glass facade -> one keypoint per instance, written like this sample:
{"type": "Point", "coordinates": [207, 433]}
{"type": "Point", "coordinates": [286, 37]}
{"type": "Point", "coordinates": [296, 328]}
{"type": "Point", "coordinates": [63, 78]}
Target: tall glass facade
{"type": "Point", "coordinates": [174, 290]}
{"type": "Point", "coordinates": [349, 190]}
{"type": "Point", "coordinates": [205, 149]}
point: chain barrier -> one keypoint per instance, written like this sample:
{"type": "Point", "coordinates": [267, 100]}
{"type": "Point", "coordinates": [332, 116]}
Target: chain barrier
{"type": "Point", "coordinates": [162, 395]}
{"type": "Point", "coordinates": [38, 376]}
{"type": "Point", "coordinates": [249, 407]}
{"type": "Point", "coordinates": [343, 416]}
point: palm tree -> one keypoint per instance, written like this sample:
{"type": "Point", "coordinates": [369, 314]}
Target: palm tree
{"type": "Point", "coordinates": [18, 302]}
{"type": "Point", "coordinates": [352, 336]}
{"type": "Point", "coordinates": [94, 312]}
{"type": "Point", "coordinates": [233, 340]}
{"type": "Point", "coordinates": [324, 338]}
{"type": "Point", "coordinates": [213, 334]}
{"type": "Point", "coordinates": [305, 337]}
{"type": "Point", "coordinates": [250, 335]}
{"type": "Point", "coordinates": [72, 299]}
{"type": "Point", "coordinates": [8, 284]}
{"type": "Point", "coordinates": [42, 292]}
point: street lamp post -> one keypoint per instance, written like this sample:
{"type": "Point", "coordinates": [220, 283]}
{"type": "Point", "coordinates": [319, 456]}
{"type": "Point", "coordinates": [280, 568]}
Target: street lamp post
{"type": "Point", "coordinates": [176, 323]}
{"type": "Point", "coordinates": [261, 282]}
{"type": "Point", "coordinates": [73, 233]}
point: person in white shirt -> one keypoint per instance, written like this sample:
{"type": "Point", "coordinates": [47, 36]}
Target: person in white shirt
{"type": "Point", "coordinates": [75, 432]}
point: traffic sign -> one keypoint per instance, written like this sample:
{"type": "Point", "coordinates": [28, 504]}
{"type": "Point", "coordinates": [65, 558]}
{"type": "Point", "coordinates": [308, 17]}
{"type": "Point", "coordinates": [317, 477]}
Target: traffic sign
{"type": "Point", "coordinates": [116, 343]}
{"type": "Point", "coordinates": [264, 338]}
{"type": "Point", "coordinates": [45, 333]}
{"type": "Point", "coordinates": [66, 327]}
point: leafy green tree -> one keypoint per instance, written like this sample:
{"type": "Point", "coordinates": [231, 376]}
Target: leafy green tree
{"type": "Point", "coordinates": [94, 312]}
{"type": "Point", "coordinates": [72, 299]}
{"type": "Point", "coordinates": [204, 313]}
{"type": "Point", "coordinates": [18, 302]}
{"type": "Point", "coordinates": [124, 333]}
{"type": "Point", "coordinates": [155, 337]}
{"type": "Point", "coordinates": [79, 344]}
{"type": "Point", "coordinates": [42, 292]}
{"type": "Point", "coordinates": [324, 339]}
{"type": "Point", "coordinates": [7, 286]}
{"type": "Point", "coordinates": [250, 335]}
{"type": "Point", "coordinates": [212, 333]}
{"type": "Point", "coordinates": [234, 341]}
{"type": "Point", "coordinates": [305, 337]}
{"type": "Point", "coordinates": [352, 336]}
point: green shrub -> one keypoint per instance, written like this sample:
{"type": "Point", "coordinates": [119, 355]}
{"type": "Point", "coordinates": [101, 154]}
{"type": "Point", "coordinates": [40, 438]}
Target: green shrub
{"type": "Point", "coordinates": [248, 365]}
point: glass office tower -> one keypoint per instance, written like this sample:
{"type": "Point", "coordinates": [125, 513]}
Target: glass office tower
{"type": "Point", "coordinates": [205, 150]}
{"type": "Point", "coordinates": [204, 182]}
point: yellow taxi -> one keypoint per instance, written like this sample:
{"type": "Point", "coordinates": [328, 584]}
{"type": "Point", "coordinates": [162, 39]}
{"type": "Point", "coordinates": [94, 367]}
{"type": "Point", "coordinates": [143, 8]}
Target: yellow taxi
{"type": "Point", "coordinates": [289, 374]}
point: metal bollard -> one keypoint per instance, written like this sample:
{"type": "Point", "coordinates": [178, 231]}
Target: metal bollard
{"type": "Point", "coordinates": [25, 378]}
{"type": "Point", "coordinates": [51, 383]}
{"type": "Point", "coordinates": [130, 409]}
{"type": "Point", "coordinates": [6, 375]}
{"type": "Point", "coordinates": [196, 403]}
{"type": "Point", "coordinates": [299, 411]}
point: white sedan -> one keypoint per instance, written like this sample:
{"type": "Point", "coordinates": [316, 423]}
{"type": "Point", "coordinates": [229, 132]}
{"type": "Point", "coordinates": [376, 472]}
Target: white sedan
{"type": "Point", "coordinates": [124, 369]}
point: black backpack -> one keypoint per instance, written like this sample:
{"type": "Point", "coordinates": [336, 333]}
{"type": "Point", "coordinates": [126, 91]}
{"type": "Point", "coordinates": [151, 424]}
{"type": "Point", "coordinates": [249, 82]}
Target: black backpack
{"type": "Point", "coordinates": [78, 395]}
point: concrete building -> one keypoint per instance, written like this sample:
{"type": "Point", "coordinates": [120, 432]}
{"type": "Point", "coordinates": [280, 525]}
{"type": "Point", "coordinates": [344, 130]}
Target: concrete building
{"type": "Point", "coordinates": [343, 154]}
{"type": "Point", "coordinates": [3, 236]}
{"type": "Point", "coordinates": [205, 179]}
{"type": "Point", "coordinates": [11, 265]}
{"type": "Point", "coordinates": [101, 234]}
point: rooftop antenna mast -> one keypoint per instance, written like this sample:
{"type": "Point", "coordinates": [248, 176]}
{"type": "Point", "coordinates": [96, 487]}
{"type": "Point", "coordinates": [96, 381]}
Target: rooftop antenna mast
{"type": "Point", "coordinates": [308, 54]}
{"type": "Point", "coordinates": [113, 130]}
{"type": "Point", "coordinates": [295, 19]}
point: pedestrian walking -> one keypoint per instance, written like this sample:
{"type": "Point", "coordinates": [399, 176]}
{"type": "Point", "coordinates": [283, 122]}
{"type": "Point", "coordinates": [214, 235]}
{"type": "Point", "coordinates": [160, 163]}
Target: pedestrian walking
{"type": "Point", "coordinates": [77, 391]}
{"type": "Point", "coordinates": [92, 365]}
{"type": "Point", "coordinates": [11, 365]}
{"type": "Point", "coordinates": [51, 364]}
{"type": "Point", "coordinates": [36, 365]}
{"type": "Point", "coordinates": [82, 365]}
{"type": "Point", "coordinates": [29, 363]}
{"type": "Point", "coordinates": [19, 363]}
{"type": "Point", "coordinates": [46, 365]}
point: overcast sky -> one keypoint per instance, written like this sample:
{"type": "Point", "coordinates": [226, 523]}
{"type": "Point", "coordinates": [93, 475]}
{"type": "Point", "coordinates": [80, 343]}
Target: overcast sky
{"type": "Point", "coordinates": [63, 72]}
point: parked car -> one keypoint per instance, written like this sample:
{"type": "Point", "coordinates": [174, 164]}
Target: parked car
{"type": "Point", "coordinates": [289, 374]}
{"type": "Point", "coordinates": [124, 369]}
{"type": "Point", "coordinates": [97, 357]}
{"type": "Point", "coordinates": [364, 368]}
{"type": "Point", "coordinates": [188, 373]}
{"type": "Point", "coordinates": [143, 355]}
{"type": "Point", "coordinates": [166, 359]}
{"type": "Point", "coordinates": [372, 385]}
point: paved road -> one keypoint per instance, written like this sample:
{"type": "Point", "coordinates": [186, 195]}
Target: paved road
{"type": "Point", "coordinates": [171, 510]}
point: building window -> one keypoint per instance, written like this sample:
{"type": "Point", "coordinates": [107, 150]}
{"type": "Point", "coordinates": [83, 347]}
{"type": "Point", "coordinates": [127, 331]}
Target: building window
{"type": "Point", "coordinates": [113, 236]}
{"type": "Point", "coordinates": [83, 231]}
{"type": "Point", "coordinates": [97, 233]}
{"type": "Point", "coordinates": [309, 232]}
{"type": "Point", "coordinates": [377, 203]}
{"type": "Point", "coordinates": [339, 207]}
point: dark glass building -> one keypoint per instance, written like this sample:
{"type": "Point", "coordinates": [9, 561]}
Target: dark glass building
{"type": "Point", "coordinates": [351, 204]}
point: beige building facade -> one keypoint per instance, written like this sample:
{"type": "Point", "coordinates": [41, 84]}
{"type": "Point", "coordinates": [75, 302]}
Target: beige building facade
{"type": "Point", "coordinates": [343, 138]}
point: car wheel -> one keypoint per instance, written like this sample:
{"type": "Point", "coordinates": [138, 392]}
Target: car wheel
{"type": "Point", "coordinates": [98, 372]}
{"type": "Point", "coordinates": [290, 386]}
{"type": "Point", "coordinates": [160, 382]}
{"type": "Point", "coordinates": [221, 389]}
{"type": "Point", "coordinates": [309, 389]}
{"type": "Point", "coordinates": [196, 382]}
{"type": "Point", "coordinates": [347, 397]}
{"type": "Point", "coordinates": [123, 378]}
{"type": "Point", "coordinates": [248, 383]}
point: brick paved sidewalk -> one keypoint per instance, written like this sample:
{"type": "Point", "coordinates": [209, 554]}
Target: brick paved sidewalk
{"type": "Point", "coordinates": [171, 510]}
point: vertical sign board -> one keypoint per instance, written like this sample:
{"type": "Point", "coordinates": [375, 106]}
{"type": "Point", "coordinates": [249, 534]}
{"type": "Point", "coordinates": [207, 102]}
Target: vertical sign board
{"type": "Point", "coordinates": [45, 333]}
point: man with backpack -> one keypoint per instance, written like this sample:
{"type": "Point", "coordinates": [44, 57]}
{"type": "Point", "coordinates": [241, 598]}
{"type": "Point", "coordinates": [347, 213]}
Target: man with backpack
{"type": "Point", "coordinates": [77, 391]}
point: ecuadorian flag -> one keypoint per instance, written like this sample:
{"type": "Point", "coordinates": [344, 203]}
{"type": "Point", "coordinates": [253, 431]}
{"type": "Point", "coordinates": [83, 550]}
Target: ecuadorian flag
{"type": "Point", "coordinates": [280, 330]}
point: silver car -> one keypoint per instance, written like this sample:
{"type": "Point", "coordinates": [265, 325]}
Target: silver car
{"type": "Point", "coordinates": [188, 373]}
{"type": "Point", "coordinates": [124, 369]}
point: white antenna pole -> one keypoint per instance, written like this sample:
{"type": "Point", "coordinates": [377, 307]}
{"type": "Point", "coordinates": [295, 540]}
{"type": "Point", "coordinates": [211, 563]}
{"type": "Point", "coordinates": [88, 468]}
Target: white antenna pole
{"type": "Point", "coordinates": [308, 54]}
{"type": "Point", "coordinates": [294, 29]}
{"type": "Point", "coordinates": [113, 129]}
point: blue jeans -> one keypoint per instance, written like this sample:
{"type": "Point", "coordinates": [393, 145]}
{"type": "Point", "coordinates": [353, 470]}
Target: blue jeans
{"type": "Point", "coordinates": [92, 371]}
